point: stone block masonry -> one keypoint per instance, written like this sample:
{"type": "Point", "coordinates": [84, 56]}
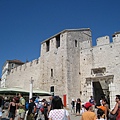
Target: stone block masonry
{"type": "Point", "coordinates": [69, 65]}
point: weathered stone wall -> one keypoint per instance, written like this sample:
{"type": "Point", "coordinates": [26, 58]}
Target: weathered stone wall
{"type": "Point", "coordinates": [86, 63]}
{"type": "Point", "coordinates": [104, 55]}
{"type": "Point", "coordinates": [71, 64]}
{"type": "Point", "coordinates": [21, 75]}
{"type": "Point", "coordinates": [4, 74]}
{"type": "Point", "coordinates": [54, 59]}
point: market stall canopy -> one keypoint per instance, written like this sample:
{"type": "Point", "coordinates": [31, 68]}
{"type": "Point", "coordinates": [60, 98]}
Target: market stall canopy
{"type": "Point", "coordinates": [41, 92]}
{"type": "Point", "coordinates": [15, 90]}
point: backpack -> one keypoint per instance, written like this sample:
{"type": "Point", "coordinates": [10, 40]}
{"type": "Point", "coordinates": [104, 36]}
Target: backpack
{"type": "Point", "coordinates": [26, 105]}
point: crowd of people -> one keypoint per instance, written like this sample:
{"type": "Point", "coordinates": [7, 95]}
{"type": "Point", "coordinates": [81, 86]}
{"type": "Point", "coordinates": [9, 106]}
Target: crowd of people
{"type": "Point", "coordinates": [87, 110]}
{"type": "Point", "coordinates": [37, 109]}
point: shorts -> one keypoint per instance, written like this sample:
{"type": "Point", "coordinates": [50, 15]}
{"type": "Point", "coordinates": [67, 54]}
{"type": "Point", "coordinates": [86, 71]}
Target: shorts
{"type": "Point", "coordinates": [22, 115]}
{"type": "Point", "coordinates": [30, 117]}
{"type": "Point", "coordinates": [11, 115]}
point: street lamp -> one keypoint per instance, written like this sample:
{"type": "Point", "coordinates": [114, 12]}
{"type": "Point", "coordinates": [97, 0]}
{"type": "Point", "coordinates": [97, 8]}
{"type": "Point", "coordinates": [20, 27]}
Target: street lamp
{"type": "Point", "coordinates": [31, 88]}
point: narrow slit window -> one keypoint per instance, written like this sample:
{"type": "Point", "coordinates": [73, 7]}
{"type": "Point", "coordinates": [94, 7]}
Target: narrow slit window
{"type": "Point", "coordinates": [76, 43]}
{"type": "Point", "coordinates": [51, 72]}
{"type": "Point", "coordinates": [47, 46]}
{"type": "Point", "coordinates": [57, 41]}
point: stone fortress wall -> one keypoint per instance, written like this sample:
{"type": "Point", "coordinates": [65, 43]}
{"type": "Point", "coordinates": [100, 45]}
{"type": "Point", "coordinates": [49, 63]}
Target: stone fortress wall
{"type": "Point", "coordinates": [106, 56]}
{"type": "Point", "coordinates": [21, 75]}
{"type": "Point", "coordinates": [71, 66]}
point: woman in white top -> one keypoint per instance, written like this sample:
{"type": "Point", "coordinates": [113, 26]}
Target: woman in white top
{"type": "Point", "coordinates": [57, 112]}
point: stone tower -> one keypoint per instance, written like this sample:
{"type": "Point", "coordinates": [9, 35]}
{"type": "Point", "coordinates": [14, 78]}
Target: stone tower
{"type": "Point", "coordinates": [60, 62]}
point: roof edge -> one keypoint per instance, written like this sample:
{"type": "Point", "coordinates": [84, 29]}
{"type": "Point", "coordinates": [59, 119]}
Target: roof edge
{"type": "Point", "coordinates": [67, 30]}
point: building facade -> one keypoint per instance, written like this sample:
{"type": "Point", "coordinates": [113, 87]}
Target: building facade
{"type": "Point", "coordinates": [70, 66]}
{"type": "Point", "coordinates": [6, 69]}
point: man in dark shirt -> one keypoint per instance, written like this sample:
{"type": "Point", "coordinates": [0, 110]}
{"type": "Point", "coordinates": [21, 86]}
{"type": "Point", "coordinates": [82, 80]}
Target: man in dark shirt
{"type": "Point", "coordinates": [31, 110]}
{"type": "Point", "coordinates": [91, 100]}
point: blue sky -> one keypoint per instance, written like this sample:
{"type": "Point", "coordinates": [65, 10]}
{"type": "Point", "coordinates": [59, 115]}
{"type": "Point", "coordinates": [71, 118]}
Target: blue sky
{"type": "Point", "coordinates": [25, 23]}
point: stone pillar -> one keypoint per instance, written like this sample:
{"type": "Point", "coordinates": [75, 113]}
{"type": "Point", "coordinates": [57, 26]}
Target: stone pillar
{"type": "Point", "coordinates": [31, 88]}
{"type": "Point", "coordinates": [89, 90]}
{"type": "Point", "coordinates": [112, 95]}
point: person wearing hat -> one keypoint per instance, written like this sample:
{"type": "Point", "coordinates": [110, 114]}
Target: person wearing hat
{"type": "Point", "coordinates": [88, 114]}
{"type": "Point", "coordinates": [31, 110]}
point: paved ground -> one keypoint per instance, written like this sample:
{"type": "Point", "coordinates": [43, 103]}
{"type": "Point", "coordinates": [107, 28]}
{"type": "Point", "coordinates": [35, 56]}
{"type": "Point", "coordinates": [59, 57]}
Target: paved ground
{"type": "Point", "coordinates": [72, 116]}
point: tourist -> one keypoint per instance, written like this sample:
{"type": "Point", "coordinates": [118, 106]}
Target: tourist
{"type": "Point", "coordinates": [2, 103]}
{"type": "Point", "coordinates": [45, 106]}
{"type": "Point", "coordinates": [6, 105]}
{"type": "Point", "coordinates": [40, 115]}
{"type": "Point", "coordinates": [50, 104]}
{"type": "Point", "coordinates": [73, 106]}
{"type": "Point", "coordinates": [92, 101]}
{"type": "Point", "coordinates": [102, 97]}
{"type": "Point", "coordinates": [88, 114]}
{"type": "Point", "coordinates": [0, 113]}
{"type": "Point", "coordinates": [12, 109]}
{"type": "Point", "coordinates": [31, 110]}
{"type": "Point", "coordinates": [100, 114]}
{"type": "Point", "coordinates": [83, 109]}
{"type": "Point", "coordinates": [38, 106]}
{"type": "Point", "coordinates": [78, 106]}
{"type": "Point", "coordinates": [57, 112]}
{"type": "Point", "coordinates": [104, 107]}
{"type": "Point", "coordinates": [21, 106]}
{"type": "Point", "coordinates": [116, 110]}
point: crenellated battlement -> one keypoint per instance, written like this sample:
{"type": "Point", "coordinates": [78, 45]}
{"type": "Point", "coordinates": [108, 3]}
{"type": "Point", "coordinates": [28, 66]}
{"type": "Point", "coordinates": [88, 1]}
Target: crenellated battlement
{"type": "Point", "coordinates": [103, 40]}
{"type": "Point", "coordinates": [106, 39]}
{"type": "Point", "coordinates": [26, 65]}
{"type": "Point", "coordinates": [83, 43]}
{"type": "Point", "coordinates": [79, 38]}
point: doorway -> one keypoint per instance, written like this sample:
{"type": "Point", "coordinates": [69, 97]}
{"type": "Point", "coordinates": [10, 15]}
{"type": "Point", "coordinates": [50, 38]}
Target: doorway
{"type": "Point", "coordinates": [100, 89]}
